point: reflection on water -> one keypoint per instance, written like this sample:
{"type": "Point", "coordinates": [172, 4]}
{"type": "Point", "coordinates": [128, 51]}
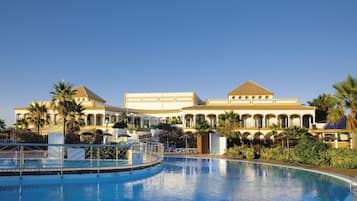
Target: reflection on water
{"type": "Point", "coordinates": [194, 179]}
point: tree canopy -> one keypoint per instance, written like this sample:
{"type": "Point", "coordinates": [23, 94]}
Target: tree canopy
{"type": "Point", "coordinates": [62, 100]}
{"type": "Point", "coordinates": [346, 96]}
{"type": "Point", "coordinates": [228, 125]}
{"type": "Point", "coordinates": [2, 124]}
{"type": "Point", "coordinates": [323, 103]}
{"type": "Point", "coordinates": [39, 116]}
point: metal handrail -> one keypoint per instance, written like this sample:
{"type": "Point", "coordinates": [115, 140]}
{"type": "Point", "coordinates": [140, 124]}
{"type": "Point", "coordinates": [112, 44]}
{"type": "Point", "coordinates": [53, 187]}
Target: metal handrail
{"type": "Point", "coordinates": [62, 145]}
{"type": "Point", "coordinates": [15, 155]}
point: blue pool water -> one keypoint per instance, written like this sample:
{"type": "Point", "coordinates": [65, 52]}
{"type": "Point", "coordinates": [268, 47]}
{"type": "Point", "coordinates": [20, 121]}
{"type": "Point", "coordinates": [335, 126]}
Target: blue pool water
{"type": "Point", "coordinates": [183, 179]}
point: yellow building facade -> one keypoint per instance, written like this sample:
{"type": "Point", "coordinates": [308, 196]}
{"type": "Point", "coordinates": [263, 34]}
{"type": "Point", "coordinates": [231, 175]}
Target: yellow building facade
{"type": "Point", "coordinates": [256, 106]}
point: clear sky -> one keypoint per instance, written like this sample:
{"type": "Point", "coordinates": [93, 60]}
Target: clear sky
{"type": "Point", "coordinates": [294, 48]}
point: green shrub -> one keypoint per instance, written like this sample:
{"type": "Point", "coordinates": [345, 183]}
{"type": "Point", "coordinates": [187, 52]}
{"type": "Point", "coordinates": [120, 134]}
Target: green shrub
{"type": "Point", "coordinates": [234, 152]}
{"type": "Point", "coordinates": [248, 153]}
{"type": "Point", "coordinates": [106, 152]}
{"type": "Point", "coordinates": [72, 139]}
{"type": "Point", "coordinates": [308, 151]}
{"type": "Point", "coordinates": [342, 158]}
{"type": "Point", "coordinates": [241, 152]}
{"type": "Point", "coordinates": [120, 124]}
{"type": "Point", "coordinates": [267, 153]}
{"type": "Point", "coordinates": [276, 154]}
{"type": "Point", "coordinates": [29, 137]}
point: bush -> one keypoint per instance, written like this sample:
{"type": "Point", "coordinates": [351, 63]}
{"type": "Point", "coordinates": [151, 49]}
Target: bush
{"type": "Point", "coordinates": [342, 158]}
{"type": "Point", "coordinates": [313, 152]}
{"type": "Point", "coordinates": [309, 151]}
{"type": "Point", "coordinates": [107, 153]}
{"type": "Point", "coordinates": [276, 154]}
{"type": "Point", "coordinates": [234, 152]}
{"type": "Point", "coordinates": [248, 153]}
{"type": "Point", "coordinates": [120, 125]}
{"type": "Point", "coordinates": [72, 139]}
{"type": "Point", "coordinates": [241, 152]}
{"type": "Point", "coordinates": [29, 137]}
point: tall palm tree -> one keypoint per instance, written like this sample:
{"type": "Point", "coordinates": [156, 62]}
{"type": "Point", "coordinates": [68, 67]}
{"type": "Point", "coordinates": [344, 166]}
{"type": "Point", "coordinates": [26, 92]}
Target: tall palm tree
{"type": "Point", "coordinates": [346, 95]}
{"type": "Point", "coordinates": [75, 117]}
{"type": "Point", "coordinates": [38, 115]}
{"type": "Point", "coordinates": [322, 103]}
{"type": "Point", "coordinates": [62, 97]}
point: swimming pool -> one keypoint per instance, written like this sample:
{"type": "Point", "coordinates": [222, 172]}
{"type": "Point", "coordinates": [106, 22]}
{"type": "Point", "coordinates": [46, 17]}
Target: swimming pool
{"type": "Point", "coordinates": [184, 179]}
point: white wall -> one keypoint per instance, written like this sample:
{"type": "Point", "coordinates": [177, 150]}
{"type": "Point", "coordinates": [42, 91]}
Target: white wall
{"type": "Point", "coordinates": [159, 101]}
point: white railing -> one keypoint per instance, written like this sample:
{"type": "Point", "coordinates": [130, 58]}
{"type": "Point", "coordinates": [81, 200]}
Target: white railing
{"type": "Point", "coordinates": [29, 158]}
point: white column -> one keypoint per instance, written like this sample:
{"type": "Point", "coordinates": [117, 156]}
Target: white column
{"type": "Point", "coordinates": [194, 121]}
{"type": "Point", "coordinates": [300, 119]}
{"type": "Point", "coordinates": [183, 122]}
{"type": "Point", "coordinates": [141, 122]}
{"type": "Point", "coordinates": [116, 117]}
{"type": "Point", "coordinates": [94, 119]}
{"type": "Point", "coordinates": [85, 119]}
{"type": "Point", "coordinates": [336, 140]}
{"type": "Point", "coordinates": [251, 121]}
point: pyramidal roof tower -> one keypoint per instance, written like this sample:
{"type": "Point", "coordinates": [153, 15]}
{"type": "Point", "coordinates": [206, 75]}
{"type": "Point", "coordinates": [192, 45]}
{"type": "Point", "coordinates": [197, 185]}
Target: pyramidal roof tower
{"type": "Point", "coordinates": [250, 88]}
{"type": "Point", "coordinates": [84, 92]}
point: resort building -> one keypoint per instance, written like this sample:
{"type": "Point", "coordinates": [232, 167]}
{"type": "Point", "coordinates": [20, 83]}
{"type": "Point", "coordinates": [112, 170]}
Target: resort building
{"type": "Point", "coordinates": [256, 106]}
{"type": "Point", "coordinates": [97, 114]}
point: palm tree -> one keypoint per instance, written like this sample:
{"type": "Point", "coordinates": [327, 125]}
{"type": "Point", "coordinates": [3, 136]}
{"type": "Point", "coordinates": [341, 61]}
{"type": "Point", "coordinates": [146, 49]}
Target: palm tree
{"type": "Point", "coordinates": [294, 133]}
{"type": "Point", "coordinates": [21, 123]}
{"type": "Point", "coordinates": [2, 124]}
{"type": "Point", "coordinates": [322, 103]}
{"type": "Point", "coordinates": [75, 117]}
{"type": "Point", "coordinates": [228, 125]}
{"type": "Point", "coordinates": [123, 117]}
{"type": "Point", "coordinates": [202, 127]}
{"type": "Point", "coordinates": [274, 132]}
{"type": "Point", "coordinates": [62, 97]}
{"type": "Point", "coordinates": [346, 95]}
{"type": "Point", "coordinates": [38, 115]}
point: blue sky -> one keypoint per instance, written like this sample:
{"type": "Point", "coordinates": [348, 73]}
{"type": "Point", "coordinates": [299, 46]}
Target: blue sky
{"type": "Point", "coordinates": [294, 48]}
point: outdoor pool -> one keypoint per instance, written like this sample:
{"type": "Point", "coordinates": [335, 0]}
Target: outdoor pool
{"type": "Point", "coordinates": [181, 178]}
